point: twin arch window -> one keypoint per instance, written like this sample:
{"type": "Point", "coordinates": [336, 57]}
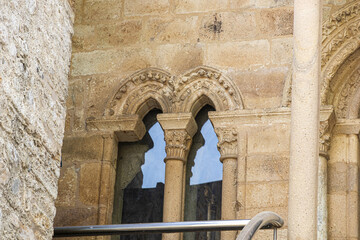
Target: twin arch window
{"type": "Point", "coordinates": [140, 178]}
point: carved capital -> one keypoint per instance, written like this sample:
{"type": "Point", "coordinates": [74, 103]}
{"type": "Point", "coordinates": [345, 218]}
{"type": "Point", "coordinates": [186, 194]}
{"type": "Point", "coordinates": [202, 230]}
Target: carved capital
{"type": "Point", "coordinates": [227, 144]}
{"type": "Point", "coordinates": [178, 143]}
{"type": "Point", "coordinates": [327, 123]}
{"type": "Point", "coordinates": [179, 129]}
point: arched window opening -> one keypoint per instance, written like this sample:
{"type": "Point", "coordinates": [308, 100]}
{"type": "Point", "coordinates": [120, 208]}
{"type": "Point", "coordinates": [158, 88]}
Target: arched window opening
{"type": "Point", "coordinates": [203, 177]}
{"type": "Point", "coordinates": [140, 177]}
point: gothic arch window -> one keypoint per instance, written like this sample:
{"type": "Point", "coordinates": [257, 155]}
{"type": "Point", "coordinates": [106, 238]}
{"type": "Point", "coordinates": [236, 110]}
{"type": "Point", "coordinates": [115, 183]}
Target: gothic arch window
{"type": "Point", "coordinates": [140, 178]}
{"type": "Point", "coordinates": [203, 182]}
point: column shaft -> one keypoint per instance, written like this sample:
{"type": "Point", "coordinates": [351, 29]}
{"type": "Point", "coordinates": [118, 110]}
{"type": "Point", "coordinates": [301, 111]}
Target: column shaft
{"type": "Point", "coordinates": [173, 194]}
{"type": "Point", "coordinates": [304, 152]}
{"type": "Point", "coordinates": [322, 199]}
{"type": "Point", "coordinates": [228, 197]}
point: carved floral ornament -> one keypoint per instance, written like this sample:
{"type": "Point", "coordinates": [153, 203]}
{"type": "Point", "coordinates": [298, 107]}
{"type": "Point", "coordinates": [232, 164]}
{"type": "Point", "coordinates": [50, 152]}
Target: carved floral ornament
{"type": "Point", "coordinates": [341, 37]}
{"type": "Point", "coordinates": [154, 87]}
{"type": "Point", "coordinates": [227, 144]}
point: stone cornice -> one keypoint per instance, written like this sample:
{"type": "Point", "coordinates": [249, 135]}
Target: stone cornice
{"type": "Point", "coordinates": [347, 126]}
{"type": "Point", "coordinates": [128, 128]}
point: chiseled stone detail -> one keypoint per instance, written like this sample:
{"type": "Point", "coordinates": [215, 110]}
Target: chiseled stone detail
{"type": "Point", "coordinates": [347, 93]}
{"type": "Point", "coordinates": [154, 87]}
{"type": "Point", "coordinates": [178, 143]}
{"type": "Point", "coordinates": [227, 145]}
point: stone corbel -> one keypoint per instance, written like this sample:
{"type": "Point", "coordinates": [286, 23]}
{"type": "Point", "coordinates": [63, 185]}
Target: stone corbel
{"type": "Point", "coordinates": [179, 128]}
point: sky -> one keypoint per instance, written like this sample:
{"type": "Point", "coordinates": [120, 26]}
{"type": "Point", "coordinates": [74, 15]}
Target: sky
{"type": "Point", "coordinates": [207, 168]}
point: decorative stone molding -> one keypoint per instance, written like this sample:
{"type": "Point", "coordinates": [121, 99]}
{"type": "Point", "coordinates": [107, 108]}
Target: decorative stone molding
{"type": "Point", "coordinates": [142, 90]}
{"type": "Point", "coordinates": [152, 87]}
{"type": "Point", "coordinates": [345, 96]}
{"type": "Point", "coordinates": [205, 85]}
{"type": "Point", "coordinates": [227, 144]}
{"type": "Point", "coordinates": [341, 37]}
{"type": "Point", "coordinates": [179, 128]}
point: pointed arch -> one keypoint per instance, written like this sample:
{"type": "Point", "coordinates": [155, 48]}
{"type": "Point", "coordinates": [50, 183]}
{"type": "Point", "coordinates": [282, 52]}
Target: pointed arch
{"type": "Point", "coordinates": [205, 85]}
{"type": "Point", "coordinates": [144, 90]}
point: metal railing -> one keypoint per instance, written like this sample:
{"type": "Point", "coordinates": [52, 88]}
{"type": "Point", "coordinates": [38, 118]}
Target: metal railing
{"type": "Point", "coordinates": [264, 220]}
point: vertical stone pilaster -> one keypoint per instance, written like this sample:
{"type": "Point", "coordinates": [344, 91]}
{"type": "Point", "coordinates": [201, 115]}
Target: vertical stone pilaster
{"type": "Point", "coordinates": [179, 130]}
{"type": "Point", "coordinates": [228, 149]}
{"type": "Point", "coordinates": [304, 150]}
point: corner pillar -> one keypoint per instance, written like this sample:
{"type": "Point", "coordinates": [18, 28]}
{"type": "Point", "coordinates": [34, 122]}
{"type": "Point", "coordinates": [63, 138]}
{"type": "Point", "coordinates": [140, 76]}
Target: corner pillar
{"type": "Point", "coordinates": [179, 128]}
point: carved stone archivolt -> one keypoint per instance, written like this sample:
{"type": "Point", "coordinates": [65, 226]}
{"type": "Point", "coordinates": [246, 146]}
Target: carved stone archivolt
{"type": "Point", "coordinates": [154, 88]}
{"type": "Point", "coordinates": [340, 38]}
{"type": "Point", "coordinates": [227, 145]}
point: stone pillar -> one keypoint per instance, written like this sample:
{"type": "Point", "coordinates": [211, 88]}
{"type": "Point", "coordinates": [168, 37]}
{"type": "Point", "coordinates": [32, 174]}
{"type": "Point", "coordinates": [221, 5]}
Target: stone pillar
{"type": "Point", "coordinates": [227, 147]}
{"type": "Point", "coordinates": [327, 122]}
{"type": "Point", "coordinates": [322, 187]}
{"type": "Point", "coordinates": [304, 140]}
{"type": "Point", "coordinates": [179, 128]}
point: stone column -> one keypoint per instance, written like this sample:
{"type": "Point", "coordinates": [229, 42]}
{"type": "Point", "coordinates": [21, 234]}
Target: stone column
{"type": "Point", "coordinates": [304, 140]}
{"type": "Point", "coordinates": [179, 128]}
{"type": "Point", "coordinates": [227, 147]}
{"type": "Point", "coordinates": [327, 122]}
{"type": "Point", "coordinates": [322, 187]}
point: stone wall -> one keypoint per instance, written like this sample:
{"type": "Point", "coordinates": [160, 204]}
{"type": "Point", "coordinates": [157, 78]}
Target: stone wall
{"type": "Point", "coordinates": [35, 48]}
{"type": "Point", "coordinates": [249, 41]}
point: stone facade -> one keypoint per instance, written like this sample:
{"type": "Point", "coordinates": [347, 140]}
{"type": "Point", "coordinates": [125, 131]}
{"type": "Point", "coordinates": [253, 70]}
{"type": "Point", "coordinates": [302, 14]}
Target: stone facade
{"type": "Point", "coordinates": [132, 56]}
{"type": "Point", "coordinates": [35, 50]}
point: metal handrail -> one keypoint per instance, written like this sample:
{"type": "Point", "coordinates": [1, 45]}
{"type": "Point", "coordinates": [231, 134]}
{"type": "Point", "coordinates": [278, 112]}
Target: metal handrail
{"type": "Point", "coordinates": [171, 227]}
{"type": "Point", "coordinates": [258, 222]}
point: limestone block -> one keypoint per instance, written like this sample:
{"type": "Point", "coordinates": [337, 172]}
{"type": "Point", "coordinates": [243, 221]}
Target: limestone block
{"type": "Point", "coordinates": [281, 50]}
{"type": "Point", "coordinates": [126, 60]}
{"type": "Point", "coordinates": [194, 6]}
{"type": "Point", "coordinates": [269, 139]}
{"type": "Point", "coordinates": [261, 195]}
{"type": "Point", "coordinates": [75, 216]}
{"type": "Point", "coordinates": [171, 30]}
{"type": "Point", "coordinates": [262, 88]}
{"type": "Point", "coordinates": [145, 7]}
{"type": "Point", "coordinates": [267, 168]}
{"type": "Point", "coordinates": [179, 58]}
{"type": "Point", "coordinates": [276, 22]}
{"type": "Point", "coordinates": [241, 55]}
{"type": "Point", "coordinates": [337, 177]}
{"type": "Point", "coordinates": [101, 10]}
{"type": "Point", "coordinates": [337, 216]}
{"type": "Point", "coordinates": [119, 34]}
{"type": "Point", "coordinates": [89, 183]}
{"type": "Point", "coordinates": [338, 148]}
{"type": "Point", "coordinates": [239, 4]}
{"type": "Point", "coordinates": [83, 148]}
{"type": "Point", "coordinates": [67, 187]}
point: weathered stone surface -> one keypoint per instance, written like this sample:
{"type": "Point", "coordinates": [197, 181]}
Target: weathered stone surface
{"type": "Point", "coordinates": [146, 7]}
{"type": "Point", "coordinates": [262, 195]}
{"type": "Point", "coordinates": [265, 168]}
{"type": "Point", "coordinates": [68, 185]}
{"type": "Point", "coordinates": [89, 181]}
{"type": "Point", "coordinates": [101, 10]}
{"type": "Point", "coordinates": [240, 55]}
{"type": "Point", "coordinates": [35, 50]}
{"type": "Point", "coordinates": [195, 6]}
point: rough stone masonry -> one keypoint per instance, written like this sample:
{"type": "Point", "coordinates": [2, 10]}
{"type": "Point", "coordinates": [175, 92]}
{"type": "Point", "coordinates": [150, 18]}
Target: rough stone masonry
{"type": "Point", "coordinates": [35, 50]}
